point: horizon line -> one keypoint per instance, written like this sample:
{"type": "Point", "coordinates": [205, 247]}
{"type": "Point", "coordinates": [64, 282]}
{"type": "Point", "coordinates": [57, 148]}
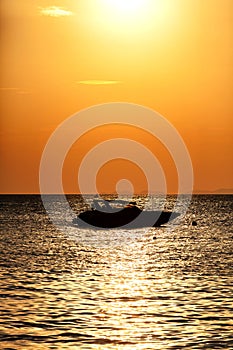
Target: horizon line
{"type": "Point", "coordinates": [109, 193]}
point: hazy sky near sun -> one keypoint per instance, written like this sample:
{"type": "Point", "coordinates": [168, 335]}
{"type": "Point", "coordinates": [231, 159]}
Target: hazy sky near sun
{"type": "Point", "coordinates": [58, 57]}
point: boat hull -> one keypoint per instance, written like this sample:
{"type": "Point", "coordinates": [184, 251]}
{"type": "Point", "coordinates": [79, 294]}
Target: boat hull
{"type": "Point", "coordinates": [125, 218]}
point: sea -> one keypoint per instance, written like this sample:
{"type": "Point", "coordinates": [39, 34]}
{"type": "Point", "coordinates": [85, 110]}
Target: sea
{"type": "Point", "coordinates": [150, 288]}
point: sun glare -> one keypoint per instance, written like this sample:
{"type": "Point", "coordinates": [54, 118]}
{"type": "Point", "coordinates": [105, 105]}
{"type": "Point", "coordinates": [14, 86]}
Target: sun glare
{"type": "Point", "coordinates": [126, 6]}
{"type": "Point", "coordinates": [130, 19]}
{"type": "Point", "coordinates": [121, 14]}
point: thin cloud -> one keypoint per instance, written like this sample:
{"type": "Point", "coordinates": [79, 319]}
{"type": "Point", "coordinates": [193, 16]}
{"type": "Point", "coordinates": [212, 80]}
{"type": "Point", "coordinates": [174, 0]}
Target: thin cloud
{"type": "Point", "coordinates": [9, 88]}
{"type": "Point", "coordinates": [99, 82]}
{"type": "Point", "coordinates": [55, 11]}
{"type": "Point", "coordinates": [23, 92]}
{"type": "Point", "coordinates": [15, 90]}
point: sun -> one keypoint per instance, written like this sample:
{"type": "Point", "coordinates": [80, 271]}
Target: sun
{"type": "Point", "coordinates": [125, 11]}
{"type": "Point", "coordinates": [126, 6]}
{"type": "Point", "coordinates": [132, 19]}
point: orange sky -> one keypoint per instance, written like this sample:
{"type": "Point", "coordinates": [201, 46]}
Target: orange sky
{"type": "Point", "coordinates": [58, 57]}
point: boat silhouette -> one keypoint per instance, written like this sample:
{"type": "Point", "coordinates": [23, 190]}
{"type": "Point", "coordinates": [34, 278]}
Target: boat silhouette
{"type": "Point", "coordinates": [103, 215]}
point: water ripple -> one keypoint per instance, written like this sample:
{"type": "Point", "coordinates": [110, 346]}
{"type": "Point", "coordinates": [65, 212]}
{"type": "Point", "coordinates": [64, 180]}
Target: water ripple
{"type": "Point", "coordinates": [174, 292]}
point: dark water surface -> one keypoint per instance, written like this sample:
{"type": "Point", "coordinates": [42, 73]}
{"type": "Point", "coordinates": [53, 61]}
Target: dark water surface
{"type": "Point", "coordinates": [124, 290]}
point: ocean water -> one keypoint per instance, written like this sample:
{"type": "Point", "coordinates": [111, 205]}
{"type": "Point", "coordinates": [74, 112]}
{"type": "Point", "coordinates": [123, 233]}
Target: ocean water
{"type": "Point", "coordinates": [137, 289]}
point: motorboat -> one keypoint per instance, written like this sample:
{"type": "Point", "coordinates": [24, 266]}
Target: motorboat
{"type": "Point", "coordinates": [128, 215]}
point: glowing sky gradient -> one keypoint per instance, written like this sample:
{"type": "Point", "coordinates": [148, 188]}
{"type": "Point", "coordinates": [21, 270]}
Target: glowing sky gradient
{"type": "Point", "coordinates": [58, 57]}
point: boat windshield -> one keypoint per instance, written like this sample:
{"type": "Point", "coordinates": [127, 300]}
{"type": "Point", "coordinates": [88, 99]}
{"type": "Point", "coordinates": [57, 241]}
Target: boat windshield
{"type": "Point", "coordinates": [111, 205]}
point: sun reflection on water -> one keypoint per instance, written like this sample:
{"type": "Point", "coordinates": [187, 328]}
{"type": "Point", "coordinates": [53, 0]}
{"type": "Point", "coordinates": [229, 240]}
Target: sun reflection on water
{"type": "Point", "coordinates": [172, 292]}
